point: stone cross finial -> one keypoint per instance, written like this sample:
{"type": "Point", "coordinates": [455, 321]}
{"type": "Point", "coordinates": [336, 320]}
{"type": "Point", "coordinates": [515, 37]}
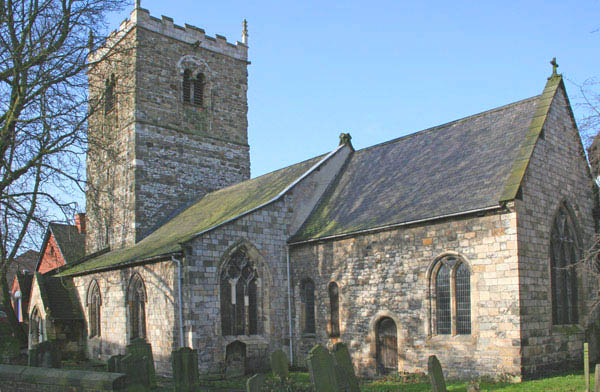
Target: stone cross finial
{"type": "Point", "coordinates": [138, 4]}
{"type": "Point", "coordinates": [245, 32]}
{"type": "Point", "coordinates": [345, 138]}
{"type": "Point", "coordinates": [554, 66]}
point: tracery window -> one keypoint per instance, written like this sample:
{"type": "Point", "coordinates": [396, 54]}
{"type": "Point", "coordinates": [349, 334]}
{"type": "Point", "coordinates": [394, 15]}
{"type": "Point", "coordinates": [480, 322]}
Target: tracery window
{"type": "Point", "coordinates": [239, 296]}
{"type": "Point", "coordinates": [109, 94]}
{"type": "Point", "coordinates": [136, 302]}
{"type": "Point", "coordinates": [193, 88]}
{"type": "Point", "coordinates": [452, 283]}
{"type": "Point", "coordinates": [564, 252]}
{"type": "Point", "coordinates": [334, 309]}
{"type": "Point", "coordinates": [94, 303]}
{"type": "Point", "coordinates": [307, 296]}
{"type": "Point", "coordinates": [36, 327]}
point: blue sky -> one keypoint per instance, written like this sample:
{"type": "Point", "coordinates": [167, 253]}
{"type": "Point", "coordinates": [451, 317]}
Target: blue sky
{"type": "Point", "coordinates": [384, 69]}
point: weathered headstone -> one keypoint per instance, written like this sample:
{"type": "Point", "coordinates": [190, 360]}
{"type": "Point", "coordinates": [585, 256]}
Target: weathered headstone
{"type": "Point", "coordinates": [586, 366]}
{"type": "Point", "coordinates": [344, 361]}
{"type": "Point", "coordinates": [597, 379]}
{"type": "Point", "coordinates": [142, 352]}
{"type": "Point", "coordinates": [185, 369]}
{"type": "Point", "coordinates": [235, 359]}
{"type": "Point", "coordinates": [113, 365]}
{"type": "Point", "coordinates": [255, 383]}
{"type": "Point", "coordinates": [279, 364]}
{"type": "Point", "coordinates": [45, 354]}
{"type": "Point", "coordinates": [322, 370]}
{"type": "Point", "coordinates": [436, 375]}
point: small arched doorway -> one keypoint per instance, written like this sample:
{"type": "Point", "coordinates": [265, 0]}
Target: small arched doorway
{"type": "Point", "coordinates": [387, 346]}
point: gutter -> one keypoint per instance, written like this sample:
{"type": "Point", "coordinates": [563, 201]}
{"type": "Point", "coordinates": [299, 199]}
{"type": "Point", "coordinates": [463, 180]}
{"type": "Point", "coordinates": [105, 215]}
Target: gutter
{"type": "Point", "coordinates": [394, 225]}
{"type": "Point", "coordinates": [128, 263]}
{"type": "Point", "coordinates": [289, 287]}
{"type": "Point", "coordinates": [274, 199]}
{"type": "Point", "coordinates": [180, 303]}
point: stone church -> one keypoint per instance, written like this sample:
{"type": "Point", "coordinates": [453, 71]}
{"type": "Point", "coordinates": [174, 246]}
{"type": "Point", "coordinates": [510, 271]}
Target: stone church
{"type": "Point", "coordinates": [454, 241]}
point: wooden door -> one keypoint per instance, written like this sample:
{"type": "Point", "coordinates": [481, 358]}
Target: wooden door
{"type": "Point", "coordinates": [387, 346]}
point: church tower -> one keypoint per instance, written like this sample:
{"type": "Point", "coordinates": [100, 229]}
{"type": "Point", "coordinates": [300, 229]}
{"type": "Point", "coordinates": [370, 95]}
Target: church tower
{"type": "Point", "coordinates": [168, 123]}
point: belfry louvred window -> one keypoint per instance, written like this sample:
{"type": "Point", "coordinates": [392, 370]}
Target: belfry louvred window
{"type": "Point", "coordinates": [239, 296]}
{"type": "Point", "coordinates": [193, 88]}
{"type": "Point", "coordinates": [564, 254]}
{"type": "Point", "coordinates": [109, 94]}
{"type": "Point", "coordinates": [452, 284]}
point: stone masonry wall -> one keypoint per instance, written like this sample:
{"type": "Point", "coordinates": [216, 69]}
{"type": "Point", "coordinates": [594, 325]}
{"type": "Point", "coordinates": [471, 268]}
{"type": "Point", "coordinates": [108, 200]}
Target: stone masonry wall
{"type": "Point", "coordinates": [160, 280]}
{"type": "Point", "coordinates": [386, 274]}
{"type": "Point", "coordinates": [557, 172]}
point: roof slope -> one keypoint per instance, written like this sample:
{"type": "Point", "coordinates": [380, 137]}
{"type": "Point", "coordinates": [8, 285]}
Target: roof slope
{"type": "Point", "coordinates": [211, 210]}
{"type": "Point", "coordinates": [70, 241]}
{"type": "Point", "coordinates": [25, 261]}
{"type": "Point", "coordinates": [452, 168]}
{"type": "Point", "coordinates": [59, 296]}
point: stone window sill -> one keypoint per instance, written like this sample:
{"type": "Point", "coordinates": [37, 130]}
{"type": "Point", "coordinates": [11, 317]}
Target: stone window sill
{"type": "Point", "coordinates": [566, 329]}
{"type": "Point", "coordinates": [452, 339]}
{"type": "Point", "coordinates": [309, 335]}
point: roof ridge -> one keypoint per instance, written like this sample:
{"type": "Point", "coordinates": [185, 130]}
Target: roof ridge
{"type": "Point", "coordinates": [437, 127]}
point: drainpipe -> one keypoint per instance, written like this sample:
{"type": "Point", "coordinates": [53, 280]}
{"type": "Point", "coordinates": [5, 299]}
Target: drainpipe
{"type": "Point", "coordinates": [289, 283]}
{"type": "Point", "coordinates": [180, 300]}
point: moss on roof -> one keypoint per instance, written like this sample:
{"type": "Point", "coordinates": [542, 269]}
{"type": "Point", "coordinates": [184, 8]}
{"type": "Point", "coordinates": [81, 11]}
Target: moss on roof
{"type": "Point", "coordinates": [211, 210]}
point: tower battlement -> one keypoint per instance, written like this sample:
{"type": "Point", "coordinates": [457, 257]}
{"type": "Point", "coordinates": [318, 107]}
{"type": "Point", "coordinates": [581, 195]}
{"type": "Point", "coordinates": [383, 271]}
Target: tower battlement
{"type": "Point", "coordinates": [188, 33]}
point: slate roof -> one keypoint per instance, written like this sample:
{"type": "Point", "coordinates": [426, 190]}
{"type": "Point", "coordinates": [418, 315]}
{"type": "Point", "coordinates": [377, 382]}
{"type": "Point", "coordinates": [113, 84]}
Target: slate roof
{"type": "Point", "coordinates": [70, 241]}
{"type": "Point", "coordinates": [210, 211]}
{"type": "Point", "coordinates": [452, 168]}
{"type": "Point", "coordinates": [25, 281]}
{"type": "Point", "coordinates": [25, 261]}
{"type": "Point", "coordinates": [59, 296]}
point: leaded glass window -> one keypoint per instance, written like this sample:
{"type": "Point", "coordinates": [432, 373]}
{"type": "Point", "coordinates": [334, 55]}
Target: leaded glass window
{"type": "Point", "coordinates": [94, 303]}
{"type": "Point", "coordinates": [136, 301]}
{"type": "Point", "coordinates": [563, 257]}
{"type": "Point", "coordinates": [442, 291]}
{"type": "Point", "coordinates": [334, 308]}
{"type": "Point", "coordinates": [307, 296]}
{"type": "Point", "coordinates": [239, 296]}
{"type": "Point", "coordinates": [36, 327]}
{"type": "Point", "coordinates": [463, 300]}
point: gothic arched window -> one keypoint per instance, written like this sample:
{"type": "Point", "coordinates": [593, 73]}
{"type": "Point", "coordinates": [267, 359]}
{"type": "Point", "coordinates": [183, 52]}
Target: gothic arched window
{"type": "Point", "coordinates": [36, 327]}
{"type": "Point", "coordinates": [334, 309]}
{"type": "Point", "coordinates": [239, 296]}
{"type": "Point", "coordinates": [307, 296]}
{"type": "Point", "coordinates": [94, 303]}
{"type": "Point", "coordinates": [564, 253]}
{"type": "Point", "coordinates": [452, 297]}
{"type": "Point", "coordinates": [109, 94]}
{"type": "Point", "coordinates": [136, 302]}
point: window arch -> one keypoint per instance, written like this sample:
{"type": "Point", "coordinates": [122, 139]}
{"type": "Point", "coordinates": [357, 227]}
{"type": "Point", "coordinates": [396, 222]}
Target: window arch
{"type": "Point", "coordinates": [109, 94]}
{"type": "Point", "coordinates": [452, 285]}
{"type": "Point", "coordinates": [136, 303]}
{"type": "Point", "coordinates": [239, 296]}
{"type": "Point", "coordinates": [36, 327]}
{"type": "Point", "coordinates": [334, 309]}
{"type": "Point", "coordinates": [564, 253]}
{"type": "Point", "coordinates": [307, 297]}
{"type": "Point", "coordinates": [94, 303]}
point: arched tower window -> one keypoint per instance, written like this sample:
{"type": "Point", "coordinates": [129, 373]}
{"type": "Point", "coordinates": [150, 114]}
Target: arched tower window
{"type": "Point", "coordinates": [109, 94]}
{"type": "Point", "coordinates": [136, 302]}
{"type": "Point", "coordinates": [452, 283]}
{"type": "Point", "coordinates": [307, 296]}
{"type": "Point", "coordinates": [198, 89]}
{"type": "Point", "coordinates": [187, 83]}
{"type": "Point", "coordinates": [239, 296]}
{"type": "Point", "coordinates": [94, 303]}
{"type": "Point", "coordinates": [564, 252]}
{"type": "Point", "coordinates": [334, 309]}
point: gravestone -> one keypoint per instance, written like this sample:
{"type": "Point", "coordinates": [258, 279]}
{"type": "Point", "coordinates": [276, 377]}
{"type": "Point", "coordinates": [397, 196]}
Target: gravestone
{"type": "Point", "coordinates": [113, 365]}
{"type": "Point", "coordinates": [45, 354]}
{"type": "Point", "coordinates": [344, 362]}
{"type": "Point", "coordinates": [255, 383]}
{"type": "Point", "coordinates": [235, 359]}
{"type": "Point", "coordinates": [185, 369]}
{"type": "Point", "coordinates": [597, 379]}
{"type": "Point", "coordinates": [138, 363]}
{"type": "Point", "coordinates": [436, 375]}
{"type": "Point", "coordinates": [279, 364]}
{"type": "Point", "coordinates": [322, 370]}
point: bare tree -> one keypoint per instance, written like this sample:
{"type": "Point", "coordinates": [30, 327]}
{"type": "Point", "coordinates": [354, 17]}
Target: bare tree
{"type": "Point", "coordinates": [44, 107]}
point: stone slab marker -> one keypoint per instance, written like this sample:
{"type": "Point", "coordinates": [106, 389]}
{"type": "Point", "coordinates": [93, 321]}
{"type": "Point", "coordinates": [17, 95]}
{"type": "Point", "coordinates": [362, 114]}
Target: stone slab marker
{"type": "Point", "coordinates": [322, 370]}
{"type": "Point", "coordinates": [436, 375]}
{"type": "Point", "coordinates": [255, 383]}
{"type": "Point", "coordinates": [597, 379]}
{"type": "Point", "coordinates": [45, 354]}
{"type": "Point", "coordinates": [185, 369]}
{"type": "Point", "coordinates": [344, 361]}
{"type": "Point", "coordinates": [279, 364]}
{"type": "Point", "coordinates": [586, 366]}
{"type": "Point", "coordinates": [113, 365]}
{"type": "Point", "coordinates": [138, 363]}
